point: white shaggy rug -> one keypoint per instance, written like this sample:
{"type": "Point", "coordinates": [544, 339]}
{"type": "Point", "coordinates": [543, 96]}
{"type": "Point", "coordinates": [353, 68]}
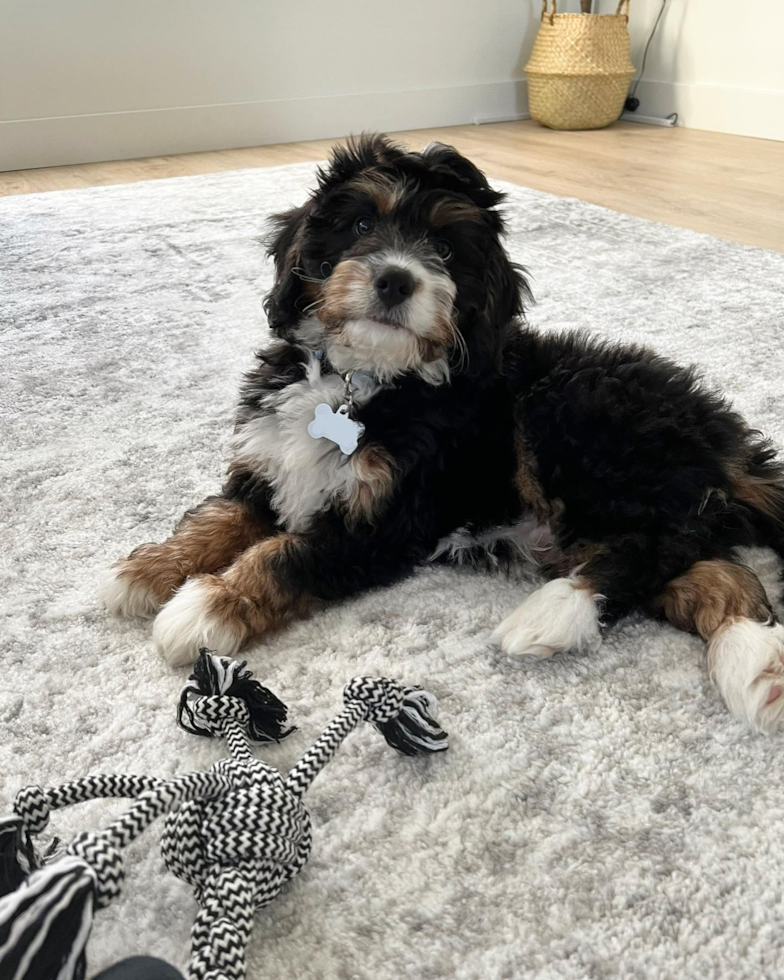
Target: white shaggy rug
{"type": "Point", "coordinates": [595, 816]}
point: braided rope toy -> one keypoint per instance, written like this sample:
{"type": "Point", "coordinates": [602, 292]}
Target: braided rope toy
{"type": "Point", "coordinates": [236, 833]}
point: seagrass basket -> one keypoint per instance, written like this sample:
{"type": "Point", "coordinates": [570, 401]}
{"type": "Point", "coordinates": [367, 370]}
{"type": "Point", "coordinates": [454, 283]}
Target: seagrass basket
{"type": "Point", "coordinates": [580, 69]}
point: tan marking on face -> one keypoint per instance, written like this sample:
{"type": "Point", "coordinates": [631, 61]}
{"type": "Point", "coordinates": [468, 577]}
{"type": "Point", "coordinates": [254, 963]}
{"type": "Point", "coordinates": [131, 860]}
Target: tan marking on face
{"type": "Point", "coordinates": [446, 212]}
{"type": "Point", "coordinates": [345, 295]}
{"type": "Point", "coordinates": [386, 192]}
{"type": "Point", "coordinates": [443, 331]}
{"type": "Point", "coordinates": [374, 470]}
{"type": "Point", "coordinates": [207, 539]}
{"type": "Point", "coordinates": [431, 350]}
{"type": "Point", "coordinates": [425, 326]}
{"type": "Point", "coordinates": [711, 595]}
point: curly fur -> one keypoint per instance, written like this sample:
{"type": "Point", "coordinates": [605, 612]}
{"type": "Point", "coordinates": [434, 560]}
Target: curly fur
{"type": "Point", "coordinates": [476, 426]}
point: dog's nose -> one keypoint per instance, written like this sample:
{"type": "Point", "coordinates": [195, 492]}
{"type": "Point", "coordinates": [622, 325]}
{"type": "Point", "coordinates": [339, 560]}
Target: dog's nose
{"type": "Point", "coordinates": [394, 286]}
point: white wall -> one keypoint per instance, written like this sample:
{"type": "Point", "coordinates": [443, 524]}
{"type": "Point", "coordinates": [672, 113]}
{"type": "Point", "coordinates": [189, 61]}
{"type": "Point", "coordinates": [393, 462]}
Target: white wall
{"type": "Point", "coordinates": [717, 63]}
{"type": "Point", "coordinates": [104, 79]}
{"type": "Point", "coordinates": [101, 79]}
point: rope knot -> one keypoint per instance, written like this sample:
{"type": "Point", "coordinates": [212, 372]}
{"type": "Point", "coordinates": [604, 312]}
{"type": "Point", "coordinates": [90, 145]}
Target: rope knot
{"type": "Point", "coordinates": [405, 716]}
{"type": "Point", "coordinates": [258, 827]}
{"type": "Point", "coordinates": [210, 713]}
{"type": "Point", "coordinates": [107, 863]}
{"type": "Point", "coordinates": [242, 772]}
{"type": "Point", "coordinates": [33, 807]}
{"type": "Point", "coordinates": [381, 697]}
{"type": "Point", "coordinates": [221, 691]}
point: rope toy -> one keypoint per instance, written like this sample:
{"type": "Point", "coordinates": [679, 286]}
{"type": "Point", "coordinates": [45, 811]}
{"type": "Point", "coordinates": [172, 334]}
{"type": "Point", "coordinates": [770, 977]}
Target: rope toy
{"type": "Point", "coordinates": [236, 833]}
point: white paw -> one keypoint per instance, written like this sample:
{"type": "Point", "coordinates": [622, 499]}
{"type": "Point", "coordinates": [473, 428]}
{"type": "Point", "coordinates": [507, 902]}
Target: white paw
{"type": "Point", "coordinates": [123, 596]}
{"type": "Point", "coordinates": [561, 615]}
{"type": "Point", "coordinates": [185, 625]}
{"type": "Point", "coordinates": [746, 663]}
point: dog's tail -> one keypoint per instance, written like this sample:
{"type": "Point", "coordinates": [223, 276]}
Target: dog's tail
{"type": "Point", "coordinates": [760, 488]}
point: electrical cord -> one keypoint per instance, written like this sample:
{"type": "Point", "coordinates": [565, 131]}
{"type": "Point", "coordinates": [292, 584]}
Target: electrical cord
{"type": "Point", "coordinates": [632, 102]}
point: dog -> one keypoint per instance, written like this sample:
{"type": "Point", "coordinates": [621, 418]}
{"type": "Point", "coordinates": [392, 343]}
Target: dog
{"type": "Point", "coordinates": [467, 438]}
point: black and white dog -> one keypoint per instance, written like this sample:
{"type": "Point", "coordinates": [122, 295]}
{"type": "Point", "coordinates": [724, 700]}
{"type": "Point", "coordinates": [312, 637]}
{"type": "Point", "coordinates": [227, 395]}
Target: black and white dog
{"type": "Point", "coordinates": [406, 414]}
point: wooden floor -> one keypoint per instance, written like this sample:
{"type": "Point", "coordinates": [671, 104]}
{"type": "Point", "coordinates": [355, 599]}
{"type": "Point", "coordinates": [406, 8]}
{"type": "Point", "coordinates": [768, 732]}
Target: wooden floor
{"type": "Point", "coordinates": [730, 186]}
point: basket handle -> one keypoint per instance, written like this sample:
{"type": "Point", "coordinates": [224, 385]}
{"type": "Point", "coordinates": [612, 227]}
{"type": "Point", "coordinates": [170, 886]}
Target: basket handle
{"type": "Point", "coordinates": [623, 5]}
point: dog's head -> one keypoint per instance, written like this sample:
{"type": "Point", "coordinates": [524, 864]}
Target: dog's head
{"type": "Point", "coordinates": [395, 263]}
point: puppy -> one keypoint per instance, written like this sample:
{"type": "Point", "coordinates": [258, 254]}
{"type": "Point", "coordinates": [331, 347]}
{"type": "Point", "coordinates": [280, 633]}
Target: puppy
{"type": "Point", "coordinates": [405, 413]}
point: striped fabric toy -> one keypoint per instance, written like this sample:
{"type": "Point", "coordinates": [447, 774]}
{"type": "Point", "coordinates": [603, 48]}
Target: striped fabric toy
{"type": "Point", "coordinates": [236, 833]}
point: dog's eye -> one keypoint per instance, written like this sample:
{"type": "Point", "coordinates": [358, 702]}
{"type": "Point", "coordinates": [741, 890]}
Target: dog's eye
{"type": "Point", "coordinates": [364, 226]}
{"type": "Point", "coordinates": [443, 249]}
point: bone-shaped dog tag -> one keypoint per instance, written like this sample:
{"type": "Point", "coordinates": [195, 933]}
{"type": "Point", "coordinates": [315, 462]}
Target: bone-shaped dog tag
{"type": "Point", "coordinates": [338, 427]}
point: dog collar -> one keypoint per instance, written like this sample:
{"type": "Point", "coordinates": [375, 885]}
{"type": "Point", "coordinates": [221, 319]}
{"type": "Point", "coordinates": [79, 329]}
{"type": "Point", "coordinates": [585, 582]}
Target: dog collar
{"type": "Point", "coordinates": [339, 427]}
{"type": "Point", "coordinates": [349, 377]}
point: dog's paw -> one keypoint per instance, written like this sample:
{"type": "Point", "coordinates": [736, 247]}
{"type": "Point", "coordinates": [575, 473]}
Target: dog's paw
{"type": "Point", "coordinates": [127, 594]}
{"type": "Point", "coordinates": [198, 615]}
{"type": "Point", "coordinates": [746, 663]}
{"type": "Point", "coordinates": [140, 584]}
{"type": "Point", "coordinates": [560, 616]}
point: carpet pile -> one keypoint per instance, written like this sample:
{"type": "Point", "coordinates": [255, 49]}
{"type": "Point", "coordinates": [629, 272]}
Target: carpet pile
{"type": "Point", "coordinates": [595, 816]}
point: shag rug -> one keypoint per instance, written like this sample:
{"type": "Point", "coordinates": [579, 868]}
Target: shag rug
{"type": "Point", "coordinates": [596, 816]}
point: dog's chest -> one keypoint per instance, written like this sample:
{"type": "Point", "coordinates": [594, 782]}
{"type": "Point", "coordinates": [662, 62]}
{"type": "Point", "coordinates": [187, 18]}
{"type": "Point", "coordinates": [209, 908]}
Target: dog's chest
{"type": "Point", "coordinates": [306, 474]}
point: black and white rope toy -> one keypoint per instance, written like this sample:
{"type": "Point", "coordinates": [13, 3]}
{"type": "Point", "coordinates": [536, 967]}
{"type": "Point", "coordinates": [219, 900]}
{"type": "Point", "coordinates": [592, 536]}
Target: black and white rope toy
{"type": "Point", "coordinates": [236, 833]}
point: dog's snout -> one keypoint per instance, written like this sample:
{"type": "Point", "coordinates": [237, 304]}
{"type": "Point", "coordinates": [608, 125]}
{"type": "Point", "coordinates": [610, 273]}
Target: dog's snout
{"type": "Point", "coordinates": [394, 285]}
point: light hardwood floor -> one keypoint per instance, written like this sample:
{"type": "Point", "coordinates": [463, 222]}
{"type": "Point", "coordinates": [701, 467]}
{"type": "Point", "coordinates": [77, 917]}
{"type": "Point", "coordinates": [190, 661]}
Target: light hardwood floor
{"type": "Point", "coordinates": [730, 186]}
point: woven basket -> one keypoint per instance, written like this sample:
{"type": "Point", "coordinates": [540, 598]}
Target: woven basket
{"type": "Point", "coordinates": [580, 69]}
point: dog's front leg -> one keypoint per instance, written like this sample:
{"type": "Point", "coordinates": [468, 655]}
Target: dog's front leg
{"type": "Point", "coordinates": [207, 539]}
{"type": "Point", "coordinates": [274, 581]}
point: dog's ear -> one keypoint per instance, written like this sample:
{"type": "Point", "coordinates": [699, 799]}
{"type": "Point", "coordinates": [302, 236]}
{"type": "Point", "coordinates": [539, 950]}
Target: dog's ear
{"type": "Point", "coordinates": [507, 287]}
{"type": "Point", "coordinates": [284, 244]}
{"type": "Point", "coordinates": [506, 293]}
{"type": "Point", "coordinates": [458, 173]}
{"type": "Point", "coordinates": [358, 153]}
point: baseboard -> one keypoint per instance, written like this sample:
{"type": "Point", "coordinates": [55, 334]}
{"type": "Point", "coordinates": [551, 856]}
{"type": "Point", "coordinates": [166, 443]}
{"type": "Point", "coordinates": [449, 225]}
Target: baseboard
{"type": "Point", "coordinates": [721, 108]}
{"type": "Point", "coordinates": [27, 143]}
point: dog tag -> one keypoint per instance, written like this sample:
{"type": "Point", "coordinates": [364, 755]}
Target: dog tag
{"type": "Point", "coordinates": [338, 427]}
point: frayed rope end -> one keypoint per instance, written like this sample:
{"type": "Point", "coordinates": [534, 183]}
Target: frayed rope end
{"type": "Point", "coordinates": [405, 716]}
{"type": "Point", "coordinates": [415, 730]}
{"type": "Point", "coordinates": [217, 677]}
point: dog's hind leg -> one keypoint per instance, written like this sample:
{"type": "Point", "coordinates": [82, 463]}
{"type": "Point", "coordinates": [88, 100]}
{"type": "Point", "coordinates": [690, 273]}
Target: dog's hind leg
{"type": "Point", "coordinates": [207, 539]}
{"type": "Point", "coordinates": [726, 604]}
{"type": "Point", "coordinates": [622, 573]}
{"type": "Point", "coordinates": [758, 486]}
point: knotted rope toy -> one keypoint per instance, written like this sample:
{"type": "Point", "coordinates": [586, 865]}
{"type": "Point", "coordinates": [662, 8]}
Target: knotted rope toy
{"type": "Point", "coordinates": [236, 833]}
